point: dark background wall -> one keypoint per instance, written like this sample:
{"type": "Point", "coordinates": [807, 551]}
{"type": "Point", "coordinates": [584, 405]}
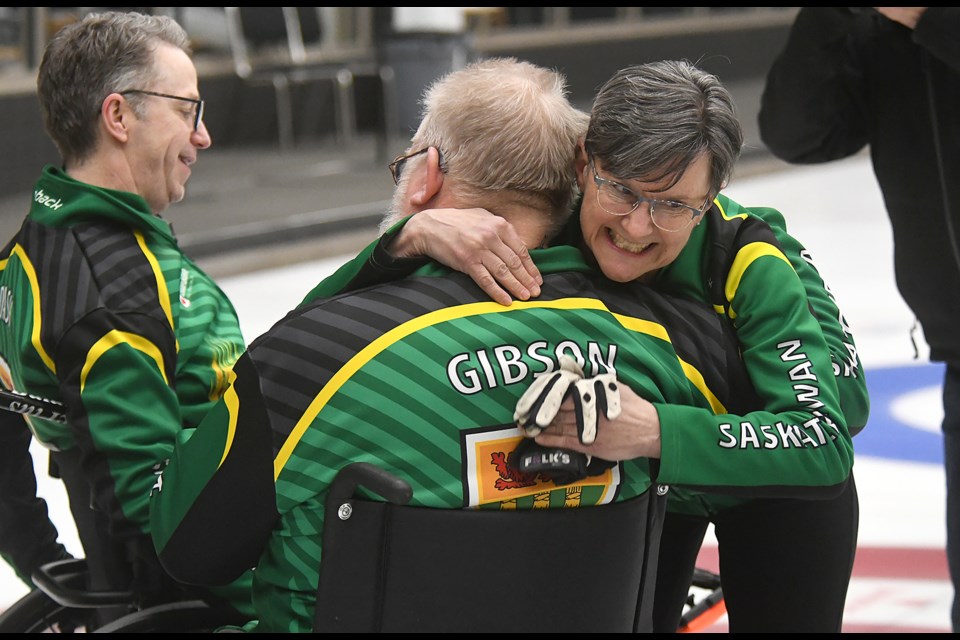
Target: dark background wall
{"type": "Point", "coordinates": [241, 114]}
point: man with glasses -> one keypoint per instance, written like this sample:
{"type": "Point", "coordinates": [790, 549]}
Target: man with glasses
{"type": "Point", "coordinates": [196, 111]}
{"type": "Point", "coordinates": [774, 478]}
{"type": "Point", "coordinates": [421, 377]}
{"type": "Point", "coordinates": [101, 309]}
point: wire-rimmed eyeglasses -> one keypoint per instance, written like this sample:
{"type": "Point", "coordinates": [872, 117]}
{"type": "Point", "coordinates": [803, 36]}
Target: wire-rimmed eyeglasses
{"type": "Point", "coordinates": [198, 104]}
{"type": "Point", "coordinates": [396, 167]}
{"type": "Point", "coordinates": [618, 200]}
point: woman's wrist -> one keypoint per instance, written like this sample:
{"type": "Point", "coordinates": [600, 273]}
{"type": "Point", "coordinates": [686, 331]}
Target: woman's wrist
{"type": "Point", "coordinates": [408, 242]}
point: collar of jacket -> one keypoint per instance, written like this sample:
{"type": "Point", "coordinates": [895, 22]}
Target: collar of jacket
{"type": "Point", "coordinates": [59, 200]}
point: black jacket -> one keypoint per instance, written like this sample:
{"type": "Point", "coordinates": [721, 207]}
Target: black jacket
{"type": "Point", "coordinates": [849, 77]}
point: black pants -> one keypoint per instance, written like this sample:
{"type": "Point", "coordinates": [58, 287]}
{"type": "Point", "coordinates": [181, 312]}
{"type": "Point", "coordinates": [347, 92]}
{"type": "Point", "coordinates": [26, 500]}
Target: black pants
{"type": "Point", "coordinates": [951, 464]}
{"type": "Point", "coordinates": [785, 564]}
{"type": "Point", "coordinates": [111, 564]}
{"type": "Point", "coordinates": [108, 568]}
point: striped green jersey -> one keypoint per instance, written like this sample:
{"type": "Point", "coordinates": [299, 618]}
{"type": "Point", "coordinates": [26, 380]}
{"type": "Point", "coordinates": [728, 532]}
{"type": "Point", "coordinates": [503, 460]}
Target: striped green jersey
{"type": "Point", "coordinates": [791, 436]}
{"type": "Point", "coordinates": [421, 378]}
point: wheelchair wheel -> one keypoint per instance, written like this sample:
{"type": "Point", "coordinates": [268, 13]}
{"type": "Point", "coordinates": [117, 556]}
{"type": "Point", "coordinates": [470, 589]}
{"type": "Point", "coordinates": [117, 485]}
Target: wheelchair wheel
{"type": "Point", "coordinates": [189, 616]}
{"type": "Point", "coordinates": [703, 611]}
{"type": "Point", "coordinates": [36, 612]}
{"type": "Point", "coordinates": [62, 604]}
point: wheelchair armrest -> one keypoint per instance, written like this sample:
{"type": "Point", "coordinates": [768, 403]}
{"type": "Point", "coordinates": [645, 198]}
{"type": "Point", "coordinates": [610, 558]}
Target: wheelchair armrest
{"type": "Point", "coordinates": [64, 581]}
{"type": "Point", "coordinates": [373, 478]}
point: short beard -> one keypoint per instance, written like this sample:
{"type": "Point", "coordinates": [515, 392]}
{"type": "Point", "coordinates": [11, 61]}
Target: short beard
{"type": "Point", "coordinates": [395, 213]}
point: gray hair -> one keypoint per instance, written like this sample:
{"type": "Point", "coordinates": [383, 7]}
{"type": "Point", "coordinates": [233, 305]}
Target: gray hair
{"type": "Point", "coordinates": [88, 60]}
{"type": "Point", "coordinates": [507, 133]}
{"type": "Point", "coordinates": [650, 122]}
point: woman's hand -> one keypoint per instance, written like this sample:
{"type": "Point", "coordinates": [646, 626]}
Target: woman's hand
{"type": "Point", "coordinates": [474, 241]}
{"type": "Point", "coordinates": [635, 434]}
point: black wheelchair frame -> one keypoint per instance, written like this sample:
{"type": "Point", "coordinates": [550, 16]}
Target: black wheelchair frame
{"type": "Point", "coordinates": [61, 604]}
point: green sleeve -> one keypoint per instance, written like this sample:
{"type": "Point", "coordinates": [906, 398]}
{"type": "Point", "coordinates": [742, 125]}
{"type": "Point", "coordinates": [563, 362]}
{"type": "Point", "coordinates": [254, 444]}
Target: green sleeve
{"type": "Point", "coordinates": [373, 265]}
{"type": "Point", "coordinates": [799, 440]}
{"type": "Point", "coordinates": [115, 374]}
{"type": "Point", "coordinates": [851, 383]}
{"type": "Point", "coordinates": [202, 533]}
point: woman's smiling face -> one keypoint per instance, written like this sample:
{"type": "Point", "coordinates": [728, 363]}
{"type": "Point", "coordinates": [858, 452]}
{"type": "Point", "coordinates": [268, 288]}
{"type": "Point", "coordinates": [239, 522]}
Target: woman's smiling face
{"type": "Point", "coordinates": [631, 247]}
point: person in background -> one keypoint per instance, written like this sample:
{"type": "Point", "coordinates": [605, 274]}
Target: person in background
{"type": "Point", "coordinates": [662, 142]}
{"type": "Point", "coordinates": [888, 78]}
{"type": "Point", "coordinates": [102, 311]}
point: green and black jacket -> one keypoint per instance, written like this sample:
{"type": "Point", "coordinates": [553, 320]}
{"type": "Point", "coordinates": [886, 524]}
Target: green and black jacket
{"type": "Point", "coordinates": [419, 377]}
{"type": "Point", "coordinates": [103, 312]}
{"type": "Point", "coordinates": [809, 392]}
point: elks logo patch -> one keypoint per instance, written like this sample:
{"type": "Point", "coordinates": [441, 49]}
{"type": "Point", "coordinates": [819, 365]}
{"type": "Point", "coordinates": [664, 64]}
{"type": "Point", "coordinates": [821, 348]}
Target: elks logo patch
{"type": "Point", "coordinates": [490, 479]}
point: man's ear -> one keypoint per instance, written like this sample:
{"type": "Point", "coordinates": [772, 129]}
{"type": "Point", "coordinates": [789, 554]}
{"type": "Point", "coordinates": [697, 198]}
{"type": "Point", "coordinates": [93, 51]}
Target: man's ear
{"type": "Point", "coordinates": [115, 113]}
{"type": "Point", "coordinates": [427, 180]}
{"type": "Point", "coordinates": [580, 163]}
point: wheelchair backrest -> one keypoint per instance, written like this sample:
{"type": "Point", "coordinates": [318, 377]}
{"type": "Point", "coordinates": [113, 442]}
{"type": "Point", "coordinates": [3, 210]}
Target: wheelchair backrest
{"type": "Point", "coordinates": [394, 568]}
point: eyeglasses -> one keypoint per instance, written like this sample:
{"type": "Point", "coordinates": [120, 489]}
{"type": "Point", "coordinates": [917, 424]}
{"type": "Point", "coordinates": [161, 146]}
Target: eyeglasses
{"type": "Point", "coordinates": [198, 104]}
{"type": "Point", "coordinates": [396, 167]}
{"type": "Point", "coordinates": [668, 215]}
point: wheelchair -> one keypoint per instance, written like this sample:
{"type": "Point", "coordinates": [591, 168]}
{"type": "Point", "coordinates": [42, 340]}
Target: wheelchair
{"type": "Point", "coordinates": [390, 567]}
{"type": "Point", "coordinates": [62, 604]}
{"type": "Point", "coordinates": [37, 612]}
